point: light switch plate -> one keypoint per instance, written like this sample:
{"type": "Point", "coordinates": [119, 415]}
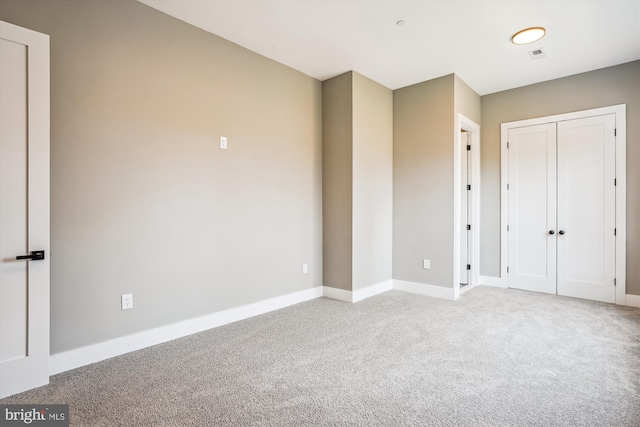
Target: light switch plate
{"type": "Point", "coordinates": [223, 142]}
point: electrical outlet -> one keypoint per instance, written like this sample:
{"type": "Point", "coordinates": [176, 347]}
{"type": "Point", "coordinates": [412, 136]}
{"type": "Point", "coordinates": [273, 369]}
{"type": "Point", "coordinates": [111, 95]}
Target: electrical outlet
{"type": "Point", "coordinates": [127, 301]}
{"type": "Point", "coordinates": [223, 142]}
{"type": "Point", "coordinates": [426, 264]}
{"type": "Point", "coordinates": [305, 268]}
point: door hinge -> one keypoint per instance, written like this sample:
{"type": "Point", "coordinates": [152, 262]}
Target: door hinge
{"type": "Point", "coordinates": [507, 228]}
{"type": "Point", "coordinates": [614, 282]}
{"type": "Point", "coordinates": [468, 266]}
{"type": "Point", "coordinates": [468, 187]}
{"type": "Point", "coordinates": [507, 269]}
{"type": "Point", "coordinates": [615, 231]}
{"type": "Point", "coordinates": [468, 227]}
{"type": "Point", "coordinates": [507, 145]}
{"type": "Point", "coordinates": [507, 186]}
{"type": "Point", "coordinates": [468, 147]}
{"type": "Point", "coordinates": [615, 132]}
{"type": "Point", "coordinates": [615, 181]}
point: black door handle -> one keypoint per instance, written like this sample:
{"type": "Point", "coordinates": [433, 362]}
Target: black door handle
{"type": "Point", "coordinates": [561, 232]}
{"type": "Point", "coordinates": [552, 232]}
{"type": "Point", "coordinates": [35, 256]}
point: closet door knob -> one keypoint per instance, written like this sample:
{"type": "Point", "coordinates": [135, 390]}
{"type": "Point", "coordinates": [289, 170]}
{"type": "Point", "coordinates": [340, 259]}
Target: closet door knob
{"type": "Point", "coordinates": [552, 232]}
{"type": "Point", "coordinates": [561, 232]}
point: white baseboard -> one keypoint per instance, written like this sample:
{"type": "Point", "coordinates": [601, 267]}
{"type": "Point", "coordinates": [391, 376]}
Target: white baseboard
{"type": "Point", "coordinates": [61, 362]}
{"type": "Point", "coordinates": [423, 289]}
{"type": "Point", "coordinates": [335, 293]}
{"type": "Point", "coordinates": [632, 300]}
{"type": "Point", "coordinates": [359, 294]}
{"type": "Point", "coordinates": [76, 358]}
{"type": "Point", "coordinates": [496, 282]}
{"type": "Point", "coordinates": [369, 291]}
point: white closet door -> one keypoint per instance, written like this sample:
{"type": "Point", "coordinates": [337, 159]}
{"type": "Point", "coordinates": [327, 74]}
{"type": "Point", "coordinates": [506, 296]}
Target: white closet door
{"type": "Point", "coordinates": [532, 208]}
{"type": "Point", "coordinates": [586, 208]}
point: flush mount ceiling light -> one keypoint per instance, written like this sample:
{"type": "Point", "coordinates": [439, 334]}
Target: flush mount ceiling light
{"type": "Point", "coordinates": [400, 23]}
{"type": "Point", "coordinates": [528, 35]}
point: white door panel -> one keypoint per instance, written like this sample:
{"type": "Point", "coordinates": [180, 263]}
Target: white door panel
{"type": "Point", "coordinates": [13, 194]}
{"type": "Point", "coordinates": [464, 209]}
{"type": "Point", "coordinates": [24, 208]}
{"type": "Point", "coordinates": [586, 208]}
{"type": "Point", "coordinates": [532, 205]}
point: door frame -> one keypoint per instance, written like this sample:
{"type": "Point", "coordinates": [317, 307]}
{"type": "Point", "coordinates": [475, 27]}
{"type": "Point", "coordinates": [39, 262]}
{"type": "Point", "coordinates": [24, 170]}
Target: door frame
{"type": "Point", "coordinates": [466, 124]}
{"type": "Point", "coordinates": [620, 191]}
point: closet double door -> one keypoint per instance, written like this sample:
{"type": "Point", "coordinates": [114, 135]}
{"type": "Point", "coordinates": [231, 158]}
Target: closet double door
{"type": "Point", "coordinates": [561, 208]}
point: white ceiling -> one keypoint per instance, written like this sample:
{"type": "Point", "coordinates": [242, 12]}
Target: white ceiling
{"type": "Point", "coordinates": [325, 38]}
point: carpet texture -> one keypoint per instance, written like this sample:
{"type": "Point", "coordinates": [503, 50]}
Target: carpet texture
{"type": "Point", "coordinates": [495, 357]}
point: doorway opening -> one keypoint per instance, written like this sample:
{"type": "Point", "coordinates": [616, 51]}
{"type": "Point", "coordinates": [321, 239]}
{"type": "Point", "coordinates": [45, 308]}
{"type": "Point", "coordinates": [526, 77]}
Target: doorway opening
{"type": "Point", "coordinates": [465, 218]}
{"type": "Point", "coordinates": [467, 206]}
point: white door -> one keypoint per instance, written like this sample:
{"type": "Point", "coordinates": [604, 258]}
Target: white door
{"type": "Point", "coordinates": [562, 208]}
{"type": "Point", "coordinates": [586, 208]}
{"type": "Point", "coordinates": [24, 209]}
{"type": "Point", "coordinates": [532, 208]}
{"type": "Point", "coordinates": [464, 209]}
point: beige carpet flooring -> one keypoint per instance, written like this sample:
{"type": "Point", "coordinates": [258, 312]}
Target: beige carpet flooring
{"type": "Point", "coordinates": [495, 357]}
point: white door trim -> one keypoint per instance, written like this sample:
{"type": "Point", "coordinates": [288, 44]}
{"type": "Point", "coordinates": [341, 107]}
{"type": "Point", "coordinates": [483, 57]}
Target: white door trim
{"type": "Point", "coordinates": [464, 123]}
{"type": "Point", "coordinates": [621, 187]}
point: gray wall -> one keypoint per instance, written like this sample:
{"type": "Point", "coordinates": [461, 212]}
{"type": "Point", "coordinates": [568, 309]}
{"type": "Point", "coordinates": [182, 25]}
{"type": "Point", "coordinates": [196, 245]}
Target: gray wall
{"type": "Point", "coordinates": [372, 181]}
{"type": "Point", "coordinates": [467, 101]}
{"type": "Point", "coordinates": [357, 181]}
{"type": "Point", "coordinates": [423, 136]}
{"type": "Point", "coordinates": [608, 86]}
{"type": "Point", "coordinates": [143, 200]}
{"type": "Point", "coordinates": [337, 181]}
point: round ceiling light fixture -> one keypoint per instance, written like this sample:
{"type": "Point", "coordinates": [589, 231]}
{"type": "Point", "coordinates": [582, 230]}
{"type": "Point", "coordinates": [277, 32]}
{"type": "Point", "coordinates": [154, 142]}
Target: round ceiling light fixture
{"type": "Point", "coordinates": [528, 35]}
{"type": "Point", "coordinates": [400, 23]}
